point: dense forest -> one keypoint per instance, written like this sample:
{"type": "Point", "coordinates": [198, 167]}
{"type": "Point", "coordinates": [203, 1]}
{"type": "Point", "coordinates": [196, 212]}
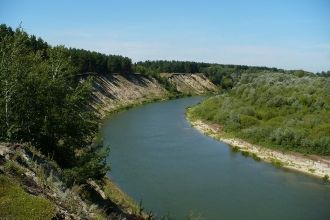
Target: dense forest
{"type": "Point", "coordinates": [284, 111]}
{"type": "Point", "coordinates": [42, 103]}
{"type": "Point", "coordinates": [86, 61]}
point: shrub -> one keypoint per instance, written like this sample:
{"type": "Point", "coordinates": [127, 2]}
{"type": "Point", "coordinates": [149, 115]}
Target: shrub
{"type": "Point", "coordinates": [235, 149]}
{"type": "Point", "coordinates": [255, 157]}
{"type": "Point", "coordinates": [248, 121]}
{"type": "Point", "coordinates": [276, 163]}
{"type": "Point", "coordinates": [245, 153]}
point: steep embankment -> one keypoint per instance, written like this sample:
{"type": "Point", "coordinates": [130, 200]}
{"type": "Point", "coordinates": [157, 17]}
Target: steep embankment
{"type": "Point", "coordinates": [113, 92]}
{"type": "Point", "coordinates": [31, 183]}
{"type": "Point", "coordinates": [26, 174]}
{"type": "Point", "coordinates": [196, 83]}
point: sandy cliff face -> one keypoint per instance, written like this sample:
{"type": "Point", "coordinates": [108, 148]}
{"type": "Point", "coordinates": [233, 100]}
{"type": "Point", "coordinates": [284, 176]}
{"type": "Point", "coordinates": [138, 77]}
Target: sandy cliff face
{"type": "Point", "coordinates": [112, 92]}
{"type": "Point", "coordinates": [191, 83]}
{"type": "Point", "coordinates": [115, 91]}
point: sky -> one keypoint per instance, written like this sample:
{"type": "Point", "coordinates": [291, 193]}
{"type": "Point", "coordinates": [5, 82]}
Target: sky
{"type": "Point", "coordinates": [289, 34]}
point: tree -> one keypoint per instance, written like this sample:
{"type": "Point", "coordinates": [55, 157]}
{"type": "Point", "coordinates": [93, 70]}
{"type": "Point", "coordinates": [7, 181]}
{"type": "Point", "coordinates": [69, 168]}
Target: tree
{"type": "Point", "coordinates": [43, 103]}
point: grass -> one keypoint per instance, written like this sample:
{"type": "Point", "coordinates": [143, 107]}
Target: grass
{"type": "Point", "coordinates": [13, 168]}
{"type": "Point", "coordinates": [15, 203]}
{"type": "Point", "coordinates": [113, 192]}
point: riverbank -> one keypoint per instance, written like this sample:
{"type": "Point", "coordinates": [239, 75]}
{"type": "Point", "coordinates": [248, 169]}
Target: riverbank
{"type": "Point", "coordinates": [184, 165]}
{"type": "Point", "coordinates": [26, 174]}
{"type": "Point", "coordinates": [313, 165]}
{"type": "Point", "coordinates": [41, 176]}
{"type": "Point", "coordinates": [113, 94]}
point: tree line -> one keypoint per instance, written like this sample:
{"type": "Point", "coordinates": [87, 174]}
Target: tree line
{"type": "Point", "coordinates": [220, 74]}
{"type": "Point", "coordinates": [87, 61]}
{"type": "Point", "coordinates": [83, 60]}
{"type": "Point", "coordinates": [42, 103]}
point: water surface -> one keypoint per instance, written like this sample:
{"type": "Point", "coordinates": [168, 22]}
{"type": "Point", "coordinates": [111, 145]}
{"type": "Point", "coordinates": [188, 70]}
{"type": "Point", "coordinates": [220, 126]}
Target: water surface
{"type": "Point", "coordinates": [156, 157]}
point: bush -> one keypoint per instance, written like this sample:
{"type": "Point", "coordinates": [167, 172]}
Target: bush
{"type": "Point", "coordinates": [255, 157]}
{"type": "Point", "coordinates": [92, 165]}
{"type": "Point", "coordinates": [276, 110]}
{"type": "Point", "coordinates": [248, 121]}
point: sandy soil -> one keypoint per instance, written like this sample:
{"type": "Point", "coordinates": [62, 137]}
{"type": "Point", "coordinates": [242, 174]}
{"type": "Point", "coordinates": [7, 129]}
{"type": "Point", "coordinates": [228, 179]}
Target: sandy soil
{"type": "Point", "coordinates": [314, 165]}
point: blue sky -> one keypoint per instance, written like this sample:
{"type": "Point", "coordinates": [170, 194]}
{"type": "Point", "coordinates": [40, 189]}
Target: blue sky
{"type": "Point", "coordinates": [291, 34]}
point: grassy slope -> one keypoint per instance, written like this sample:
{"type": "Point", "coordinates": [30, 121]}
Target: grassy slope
{"type": "Point", "coordinates": [274, 110]}
{"type": "Point", "coordinates": [13, 196]}
{"type": "Point", "coordinates": [113, 192]}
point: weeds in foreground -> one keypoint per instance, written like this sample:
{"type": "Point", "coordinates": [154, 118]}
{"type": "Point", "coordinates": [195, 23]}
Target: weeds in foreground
{"type": "Point", "coordinates": [17, 204]}
{"type": "Point", "coordinates": [13, 168]}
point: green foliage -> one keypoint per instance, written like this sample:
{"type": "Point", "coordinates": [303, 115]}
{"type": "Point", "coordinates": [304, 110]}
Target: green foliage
{"type": "Point", "coordinates": [224, 75]}
{"type": "Point", "coordinates": [169, 66]}
{"type": "Point", "coordinates": [245, 153]}
{"type": "Point", "coordinates": [290, 111]}
{"type": "Point", "coordinates": [235, 149]}
{"type": "Point", "coordinates": [15, 203]}
{"type": "Point", "coordinates": [91, 164]}
{"type": "Point", "coordinates": [43, 102]}
{"type": "Point", "coordinates": [88, 61]}
{"type": "Point", "coordinates": [324, 74]}
{"type": "Point", "coordinates": [13, 168]}
{"type": "Point", "coordinates": [255, 157]}
{"type": "Point", "coordinates": [168, 86]}
{"type": "Point", "coordinates": [276, 163]}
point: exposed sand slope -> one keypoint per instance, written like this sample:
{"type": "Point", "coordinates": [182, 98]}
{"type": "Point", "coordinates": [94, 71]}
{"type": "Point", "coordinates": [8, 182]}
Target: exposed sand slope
{"type": "Point", "coordinates": [115, 91]}
{"type": "Point", "coordinates": [187, 83]}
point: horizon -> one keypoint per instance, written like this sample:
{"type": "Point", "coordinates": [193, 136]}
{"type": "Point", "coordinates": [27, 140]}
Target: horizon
{"type": "Point", "coordinates": [280, 34]}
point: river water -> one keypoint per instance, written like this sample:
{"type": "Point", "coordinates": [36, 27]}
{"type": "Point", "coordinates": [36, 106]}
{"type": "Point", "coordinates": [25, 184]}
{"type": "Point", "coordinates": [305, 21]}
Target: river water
{"type": "Point", "coordinates": [156, 157]}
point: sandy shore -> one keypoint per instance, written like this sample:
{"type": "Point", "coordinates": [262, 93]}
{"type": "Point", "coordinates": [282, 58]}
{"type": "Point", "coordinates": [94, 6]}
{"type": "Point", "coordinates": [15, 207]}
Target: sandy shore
{"type": "Point", "coordinates": [313, 165]}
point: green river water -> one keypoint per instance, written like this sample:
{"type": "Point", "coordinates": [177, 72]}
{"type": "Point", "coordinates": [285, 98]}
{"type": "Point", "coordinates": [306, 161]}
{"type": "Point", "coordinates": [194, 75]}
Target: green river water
{"type": "Point", "coordinates": [156, 157]}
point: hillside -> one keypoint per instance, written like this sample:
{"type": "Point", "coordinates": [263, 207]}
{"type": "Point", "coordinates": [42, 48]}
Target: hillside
{"type": "Point", "coordinates": [40, 179]}
{"type": "Point", "coordinates": [282, 112]}
{"type": "Point", "coordinates": [188, 83]}
{"type": "Point", "coordinates": [112, 92]}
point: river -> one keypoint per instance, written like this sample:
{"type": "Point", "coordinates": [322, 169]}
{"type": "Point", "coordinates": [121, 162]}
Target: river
{"type": "Point", "coordinates": [156, 157]}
